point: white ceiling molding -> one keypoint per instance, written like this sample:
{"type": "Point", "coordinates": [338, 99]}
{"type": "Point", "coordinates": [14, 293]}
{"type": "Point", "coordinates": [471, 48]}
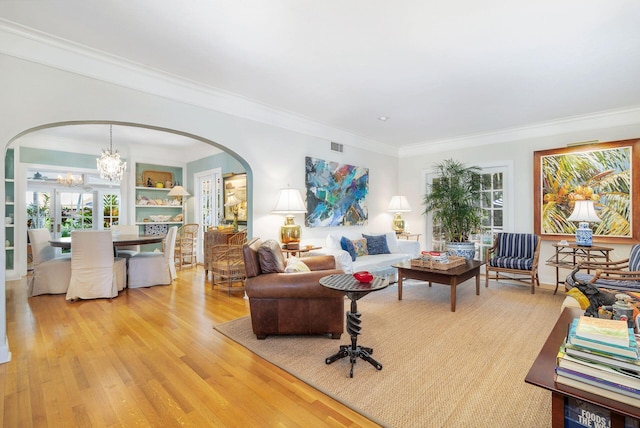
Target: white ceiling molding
{"type": "Point", "coordinates": [38, 47]}
{"type": "Point", "coordinates": [613, 118]}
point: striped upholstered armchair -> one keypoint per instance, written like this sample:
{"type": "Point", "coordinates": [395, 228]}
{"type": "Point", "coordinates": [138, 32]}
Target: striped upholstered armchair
{"type": "Point", "coordinates": [515, 254]}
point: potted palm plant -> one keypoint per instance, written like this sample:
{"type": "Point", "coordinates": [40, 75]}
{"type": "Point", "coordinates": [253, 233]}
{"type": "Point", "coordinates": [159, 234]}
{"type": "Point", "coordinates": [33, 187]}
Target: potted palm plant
{"type": "Point", "coordinates": [453, 199]}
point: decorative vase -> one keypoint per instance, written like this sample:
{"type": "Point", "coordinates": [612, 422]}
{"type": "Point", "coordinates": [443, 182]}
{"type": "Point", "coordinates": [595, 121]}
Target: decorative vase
{"type": "Point", "coordinates": [462, 249]}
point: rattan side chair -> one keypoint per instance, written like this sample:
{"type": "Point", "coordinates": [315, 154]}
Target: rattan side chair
{"type": "Point", "coordinates": [186, 243]}
{"type": "Point", "coordinates": [227, 264]}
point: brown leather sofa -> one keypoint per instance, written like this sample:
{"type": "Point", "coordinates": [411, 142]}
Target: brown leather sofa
{"type": "Point", "coordinates": [293, 303]}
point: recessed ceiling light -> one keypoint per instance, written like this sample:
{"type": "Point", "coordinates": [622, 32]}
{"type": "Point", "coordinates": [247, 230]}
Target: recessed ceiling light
{"type": "Point", "coordinates": [383, 118]}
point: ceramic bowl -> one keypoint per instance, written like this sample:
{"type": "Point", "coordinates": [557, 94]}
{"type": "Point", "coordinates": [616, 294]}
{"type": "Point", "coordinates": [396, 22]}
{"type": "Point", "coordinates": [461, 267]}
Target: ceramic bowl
{"type": "Point", "coordinates": [159, 217]}
{"type": "Point", "coordinates": [363, 276]}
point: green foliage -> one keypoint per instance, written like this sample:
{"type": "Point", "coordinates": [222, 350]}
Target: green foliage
{"type": "Point", "coordinates": [453, 199]}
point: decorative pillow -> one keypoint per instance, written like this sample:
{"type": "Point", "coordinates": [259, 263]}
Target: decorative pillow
{"type": "Point", "coordinates": [361, 247]}
{"type": "Point", "coordinates": [333, 241]}
{"type": "Point", "coordinates": [347, 245]}
{"type": "Point", "coordinates": [294, 264]}
{"type": "Point", "coordinates": [271, 258]}
{"type": "Point", "coordinates": [392, 242]}
{"type": "Point", "coordinates": [377, 244]}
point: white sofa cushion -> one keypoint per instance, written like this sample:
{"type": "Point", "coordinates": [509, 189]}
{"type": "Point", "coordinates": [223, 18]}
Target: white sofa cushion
{"type": "Point", "coordinates": [378, 264]}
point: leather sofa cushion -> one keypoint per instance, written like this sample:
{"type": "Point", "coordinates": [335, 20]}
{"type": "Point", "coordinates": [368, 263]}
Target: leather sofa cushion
{"type": "Point", "coordinates": [252, 258]}
{"type": "Point", "coordinates": [271, 258]}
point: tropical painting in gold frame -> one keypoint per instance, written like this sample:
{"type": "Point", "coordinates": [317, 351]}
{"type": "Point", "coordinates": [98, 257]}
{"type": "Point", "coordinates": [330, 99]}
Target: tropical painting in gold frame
{"type": "Point", "coordinates": [606, 173]}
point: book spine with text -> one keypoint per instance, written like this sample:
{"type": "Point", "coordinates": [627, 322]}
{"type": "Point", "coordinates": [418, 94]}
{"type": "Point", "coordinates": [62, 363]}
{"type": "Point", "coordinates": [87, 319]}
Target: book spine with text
{"type": "Point", "coordinates": [604, 371]}
{"type": "Point", "coordinates": [599, 383]}
{"type": "Point", "coordinates": [627, 364]}
{"type": "Point", "coordinates": [597, 390]}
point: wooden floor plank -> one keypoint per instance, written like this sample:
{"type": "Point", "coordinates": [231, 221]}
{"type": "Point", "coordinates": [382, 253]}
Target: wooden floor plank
{"type": "Point", "coordinates": [148, 358]}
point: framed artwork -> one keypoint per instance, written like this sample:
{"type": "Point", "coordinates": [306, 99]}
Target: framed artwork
{"type": "Point", "coordinates": [235, 184]}
{"type": "Point", "coordinates": [606, 173]}
{"type": "Point", "coordinates": [336, 193]}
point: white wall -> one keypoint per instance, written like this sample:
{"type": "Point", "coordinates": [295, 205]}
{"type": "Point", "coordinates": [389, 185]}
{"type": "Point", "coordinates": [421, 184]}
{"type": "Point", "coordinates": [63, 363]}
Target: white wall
{"type": "Point", "coordinates": [34, 95]}
{"type": "Point", "coordinates": [520, 153]}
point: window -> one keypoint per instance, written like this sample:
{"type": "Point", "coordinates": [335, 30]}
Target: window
{"type": "Point", "coordinates": [492, 205]}
{"type": "Point", "coordinates": [493, 201]}
{"type": "Point", "coordinates": [110, 209]}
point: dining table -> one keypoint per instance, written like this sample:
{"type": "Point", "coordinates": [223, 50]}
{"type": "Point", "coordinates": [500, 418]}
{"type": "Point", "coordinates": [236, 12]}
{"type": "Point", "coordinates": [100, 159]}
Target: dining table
{"type": "Point", "coordinates": [118, 241]}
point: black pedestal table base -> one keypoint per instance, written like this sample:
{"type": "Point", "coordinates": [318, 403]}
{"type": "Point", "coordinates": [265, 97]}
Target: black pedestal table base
{"type": "Point", "coordinates": [354, 290]}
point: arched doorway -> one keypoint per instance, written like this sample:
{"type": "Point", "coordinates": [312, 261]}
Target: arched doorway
{"type": "Point", "coordinates": [67, 147]}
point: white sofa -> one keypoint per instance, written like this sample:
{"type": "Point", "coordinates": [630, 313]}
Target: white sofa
{"type": "Point", "coordinates": [378, 264]}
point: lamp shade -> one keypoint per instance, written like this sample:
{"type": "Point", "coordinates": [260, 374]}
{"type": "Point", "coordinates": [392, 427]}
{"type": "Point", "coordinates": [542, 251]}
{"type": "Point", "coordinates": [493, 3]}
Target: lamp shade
{"type": "Point", "coordinates": [584, 211]}
{"type": "Point", "coordinates": [289, 202]}
{"type": "Point", "coordinates": [178, 191]}
{"type": "Point", "coordinates": [232, 201]}
{"type": "Point", "coordinates": [399, 204]}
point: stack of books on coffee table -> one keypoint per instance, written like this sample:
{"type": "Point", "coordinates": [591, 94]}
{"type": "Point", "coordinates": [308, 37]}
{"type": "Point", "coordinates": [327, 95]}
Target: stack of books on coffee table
{"type": "Point", "coordinates": [601, 356]}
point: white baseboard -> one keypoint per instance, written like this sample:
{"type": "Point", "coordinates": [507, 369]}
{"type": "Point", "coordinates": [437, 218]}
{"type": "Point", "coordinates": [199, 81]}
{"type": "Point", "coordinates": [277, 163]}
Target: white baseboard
{"type": "Point", "coordinates": [5, 354]}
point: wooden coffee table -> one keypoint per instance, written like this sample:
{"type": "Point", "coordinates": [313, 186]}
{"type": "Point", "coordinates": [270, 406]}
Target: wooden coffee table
{"type": "Point", "coordinates": [451, 277]}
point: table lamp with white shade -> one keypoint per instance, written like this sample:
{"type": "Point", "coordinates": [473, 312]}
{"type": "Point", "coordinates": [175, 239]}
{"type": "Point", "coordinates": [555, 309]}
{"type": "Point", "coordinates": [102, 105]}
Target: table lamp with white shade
{"type": "Point", "coordinates": [399, 205]}
{"type": "Point", "coordinates": [584, 212]}
{"type": "Point", "coordinates": [234, 203]}
{"type": "Point", "coordinates": [289, 202]}
{"type": "Point", "coordinates": [181, 193]}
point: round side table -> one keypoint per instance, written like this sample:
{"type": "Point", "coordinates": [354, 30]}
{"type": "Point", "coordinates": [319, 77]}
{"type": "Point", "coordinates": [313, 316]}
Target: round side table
{"type": "Point", "coordinates": [354, 290]}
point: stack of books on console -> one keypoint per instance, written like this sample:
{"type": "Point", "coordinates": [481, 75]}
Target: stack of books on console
{"type": "Point", "coordinates": [601, 356]}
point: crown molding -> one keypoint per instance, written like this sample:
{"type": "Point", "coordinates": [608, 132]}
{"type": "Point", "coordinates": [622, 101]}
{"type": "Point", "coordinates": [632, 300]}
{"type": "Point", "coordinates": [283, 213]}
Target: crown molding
{"type": "Point", "coordinates": [595, 121]}
{"type": "Point", "coordinates": [31, 45]}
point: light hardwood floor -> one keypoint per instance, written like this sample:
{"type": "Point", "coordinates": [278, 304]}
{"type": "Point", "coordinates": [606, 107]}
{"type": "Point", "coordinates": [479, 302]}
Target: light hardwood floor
{"type": "Point", "coordinates": [148, 358]}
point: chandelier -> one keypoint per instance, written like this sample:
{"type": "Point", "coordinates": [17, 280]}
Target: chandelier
{"type": "Point", "coordinates": [110, 166]}
{"type": "Point", "coordinates": [70, 180]}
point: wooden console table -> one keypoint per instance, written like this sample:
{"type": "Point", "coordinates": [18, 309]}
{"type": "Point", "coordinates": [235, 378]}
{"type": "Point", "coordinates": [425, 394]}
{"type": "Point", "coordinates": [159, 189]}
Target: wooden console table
{"type": "Point", "coordinates": [568, 254]}
{"type": "Point", "coordinates": [542, 374]}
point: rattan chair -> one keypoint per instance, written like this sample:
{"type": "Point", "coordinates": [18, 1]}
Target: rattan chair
{"type": "Point", "coordinates": [227, 264]}
{"type": "Point", "coordinates": [516, 255]}
{"type": "Point", "coordinates": [186, 245]}
{"type": "Point", "coordinates": [212, 237]}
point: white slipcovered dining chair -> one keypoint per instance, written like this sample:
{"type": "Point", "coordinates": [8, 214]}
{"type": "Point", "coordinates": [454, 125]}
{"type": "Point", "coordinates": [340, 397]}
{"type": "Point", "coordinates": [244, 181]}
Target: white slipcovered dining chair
{"type": "Point", "coordinates": [126, 251]}
{"type": "Point", "coordinates": [51, 274]}
{"type": "Point", "coordinates": [154, 268]}
{"type": "Point", "coordinates": [95, 272]}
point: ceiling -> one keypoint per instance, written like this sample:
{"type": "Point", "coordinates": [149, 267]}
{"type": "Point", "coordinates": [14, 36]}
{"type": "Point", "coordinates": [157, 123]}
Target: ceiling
{"type": "Point", "coordinates": [439, 69]}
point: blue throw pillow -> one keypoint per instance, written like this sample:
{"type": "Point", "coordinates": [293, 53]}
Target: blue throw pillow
{"type": "Point", "coordinates": [347, 245]}
{"type": "Point", "coordinates": [376, 244]}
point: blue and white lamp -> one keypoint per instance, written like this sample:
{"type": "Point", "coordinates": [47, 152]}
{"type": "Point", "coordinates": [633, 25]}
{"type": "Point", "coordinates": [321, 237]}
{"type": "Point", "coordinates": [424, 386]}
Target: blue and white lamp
{"type": "Point", "coordinates": [584, 212]}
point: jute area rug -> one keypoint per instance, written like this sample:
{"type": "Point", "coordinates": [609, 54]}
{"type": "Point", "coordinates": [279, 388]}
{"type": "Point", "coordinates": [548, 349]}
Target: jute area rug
{"type": "Point", "coordinates": [440, 368]}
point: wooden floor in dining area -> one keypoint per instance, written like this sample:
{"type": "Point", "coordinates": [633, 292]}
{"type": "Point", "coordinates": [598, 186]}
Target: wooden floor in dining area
{"type": "Point", "coordinates": [148, 358]}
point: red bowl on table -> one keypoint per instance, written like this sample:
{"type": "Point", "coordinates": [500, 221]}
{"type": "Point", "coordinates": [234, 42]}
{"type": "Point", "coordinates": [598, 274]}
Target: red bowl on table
{"type": "Point", "coordinates": [363, 276]}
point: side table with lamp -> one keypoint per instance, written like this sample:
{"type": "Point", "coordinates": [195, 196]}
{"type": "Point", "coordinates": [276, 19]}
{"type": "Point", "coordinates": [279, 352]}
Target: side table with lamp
{"type": "Point", "coordinates": [399, 205]}
{"type": "Point", "coordinates": [234, 203]}
{"type": "Point", "coordinates": [290, 202]}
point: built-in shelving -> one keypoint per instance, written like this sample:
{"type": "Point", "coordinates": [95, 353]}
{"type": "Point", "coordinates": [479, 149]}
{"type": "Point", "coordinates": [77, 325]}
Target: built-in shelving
{"type": "Point", "coordinates": [9, 212]}
{"type": "Point", "coordinates": [144, 211]}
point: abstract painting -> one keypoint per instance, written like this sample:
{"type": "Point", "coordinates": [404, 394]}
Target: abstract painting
{"type": "Point", "coordinates": [606, 173]}
{"type": "Point", "coordinates": [336, 193]}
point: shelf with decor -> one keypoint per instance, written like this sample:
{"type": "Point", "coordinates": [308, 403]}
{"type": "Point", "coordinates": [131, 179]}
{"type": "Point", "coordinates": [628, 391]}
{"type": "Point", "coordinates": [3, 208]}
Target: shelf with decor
{"type": "Point", "coordinates": [9, 214]}
{"type": "Point", "coordinates": [155, 211]}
